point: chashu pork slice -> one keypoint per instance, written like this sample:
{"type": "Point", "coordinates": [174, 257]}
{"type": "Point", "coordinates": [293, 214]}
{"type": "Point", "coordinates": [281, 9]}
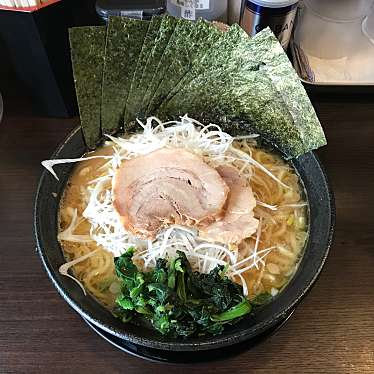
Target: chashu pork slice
{"type": "Point", "coordinates": [167, 186]}
{"type": "Point", "coordinates": [238, 221]}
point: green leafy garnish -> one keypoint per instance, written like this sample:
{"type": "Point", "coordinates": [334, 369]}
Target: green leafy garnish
{"type": "Point", "coordinates": [176, 300]}
{"type": "Point", "coordinates": [261, 299]}
{"type": "Point", "coordinates": [239, 310]}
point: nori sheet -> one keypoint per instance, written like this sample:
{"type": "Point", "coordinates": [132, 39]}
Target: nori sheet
{"type": "Point", "coordinates": [242, 84]}
{"type": "Point", "coordinates": [215, 68]}
{"type": "Point", "coordinates": [241, 87]}
{"type": "Point", "coordinates": [138, 85]}
{"type": "Point", "coordinates": [193, 42]}
{"type": "Point", "coordinates": [213, 58]}
{"type": "Point", "coordinates": [236, 108]}
{"type": "Point", "coordinates": [87, 55]}
{"type": "Point", "coordinates": [166, 31]}
{"type": "Point", "coordinates": [123, 46]}
{"type": "Point", "coordinates": [286, 81]}
{"type": "Point", "coordinates": [213, 61]}
{"type": "Point", "coordinates": [180, 36]}
{"type": "Point", "coordinates": [303, 132]}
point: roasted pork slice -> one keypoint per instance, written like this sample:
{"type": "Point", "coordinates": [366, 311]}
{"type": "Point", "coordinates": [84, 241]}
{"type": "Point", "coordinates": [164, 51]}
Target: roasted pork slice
{"type": "Point", "coordinates": [164, 187]}
{"type": "Point", "coordinates": [238, 221]}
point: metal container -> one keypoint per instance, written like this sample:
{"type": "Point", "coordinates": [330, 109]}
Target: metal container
{"type": "Point", "coordinates": [234, 11]}
{"type": "Point", "coordinates": [279, 15]}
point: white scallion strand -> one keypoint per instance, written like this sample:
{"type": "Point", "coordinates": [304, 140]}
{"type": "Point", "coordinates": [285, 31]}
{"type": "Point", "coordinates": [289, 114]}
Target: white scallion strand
{"type": "Point", "coordinates": [49, 164]}
{"type": "Point", "coordinates": [211, 143]}
{"type": "Point", "coordinates": [64, 269]}
{"type": "Point", "coordinates": [68, 233]}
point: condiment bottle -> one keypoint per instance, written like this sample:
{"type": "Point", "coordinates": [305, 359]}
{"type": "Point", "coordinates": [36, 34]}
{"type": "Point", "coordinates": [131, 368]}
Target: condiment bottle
{"type": "Point", "coordinates": [213, 10]}
{"type": "Point", "coordinates": [279, 15]}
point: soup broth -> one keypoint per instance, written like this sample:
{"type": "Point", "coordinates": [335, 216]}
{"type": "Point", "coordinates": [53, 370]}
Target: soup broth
{"type": "Point", "coordinates": [280, 208]}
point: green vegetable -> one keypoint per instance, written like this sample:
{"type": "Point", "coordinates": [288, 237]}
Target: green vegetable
{"type": "Point", "coordinates": [239, 310]}
{"type": "Point", "coordinates": [262, 299]}
{"type": "Point", "coordinates": [176, 300]}
{"type": "Point", "coordinates": [125, 303]}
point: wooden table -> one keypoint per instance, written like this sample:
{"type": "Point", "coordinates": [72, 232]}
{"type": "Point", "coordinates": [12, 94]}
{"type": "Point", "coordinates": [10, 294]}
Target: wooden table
{"type": "Point", "coordinates": [332, 331]}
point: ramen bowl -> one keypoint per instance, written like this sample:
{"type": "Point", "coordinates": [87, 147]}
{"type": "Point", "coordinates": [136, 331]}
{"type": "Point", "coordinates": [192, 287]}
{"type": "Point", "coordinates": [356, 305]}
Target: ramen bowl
{"type": "Point", "coordinates": [321, 224]}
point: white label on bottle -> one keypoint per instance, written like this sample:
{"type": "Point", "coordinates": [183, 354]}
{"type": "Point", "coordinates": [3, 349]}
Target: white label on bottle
{"type": "Point", "coordinates": [138, 14]}
{"type": "Point", "coordinates": [192, 4]}
{"type": "Point", "coordinates": [188, 13]}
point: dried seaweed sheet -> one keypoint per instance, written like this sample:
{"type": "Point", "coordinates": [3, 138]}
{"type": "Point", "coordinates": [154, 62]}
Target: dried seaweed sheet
{"type": "Point", "coordinates": [285, 80]}
{"type": "Point", "coordinates": [243, 84]}
{"type": "Point", "coordinates": [138, 88]}
{"type": "Point", "coordinates": [190, 46]}
{"type": "Point", "coordinates": [232, 89]}
{"type": "Point", "coordinates": [87, 54]}
{"type": "Point", "coordinates": [166, 31]}
{"type": "Point", "coordinates": [221, 69]}
{"type": "Point", "coordinates": [181, 34]}
{"type": "Point", "coordinates": [304, 131]}
{"type": "Point", "coordinates": [258, 108]}
{"type": "Point", "coordinates": [214, 60]}
{"type": "Point", "coordinates": [123, 46]}
{"type": "Point", "coordinates": [215, 57]}
{"type": "Point", "coordinates": [236, 108]}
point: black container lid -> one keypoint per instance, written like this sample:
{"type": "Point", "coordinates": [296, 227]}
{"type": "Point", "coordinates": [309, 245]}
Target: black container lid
{"type": "Point", "coordinates": [143, 9]}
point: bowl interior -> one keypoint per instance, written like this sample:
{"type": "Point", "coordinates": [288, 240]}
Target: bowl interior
{"type": "Point", "coordinates": [321, 223]}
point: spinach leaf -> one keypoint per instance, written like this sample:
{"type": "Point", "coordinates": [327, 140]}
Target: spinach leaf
{"type": "Point", "coordinates": [262, 299]}
{"type": "Point", "coordinates": [176, 300]}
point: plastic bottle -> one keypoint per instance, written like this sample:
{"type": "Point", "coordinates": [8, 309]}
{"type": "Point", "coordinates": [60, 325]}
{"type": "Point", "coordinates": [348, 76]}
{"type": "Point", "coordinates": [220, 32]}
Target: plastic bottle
{"type": "Point", "coordinates": [213, 10]}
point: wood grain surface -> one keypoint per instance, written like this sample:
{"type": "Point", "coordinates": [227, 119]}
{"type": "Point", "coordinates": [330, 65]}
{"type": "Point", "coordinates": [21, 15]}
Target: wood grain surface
{"type": "Point", "coordinates": [332, 331]}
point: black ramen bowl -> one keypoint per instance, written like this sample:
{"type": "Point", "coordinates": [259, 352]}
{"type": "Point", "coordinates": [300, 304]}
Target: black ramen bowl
{"type": "Point", "coordinates": [321, 224]}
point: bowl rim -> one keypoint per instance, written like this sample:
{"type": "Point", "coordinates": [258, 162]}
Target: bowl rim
{"type": "Point", "coordinates": [212, 342]}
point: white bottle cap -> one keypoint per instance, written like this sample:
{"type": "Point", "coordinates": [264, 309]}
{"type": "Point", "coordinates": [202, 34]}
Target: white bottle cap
{"type": "Point", "coordinates": [274, 3]}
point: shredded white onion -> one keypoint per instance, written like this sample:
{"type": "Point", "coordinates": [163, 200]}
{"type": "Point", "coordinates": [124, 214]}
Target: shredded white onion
{"type": "Point", "coordinates": [271, 207]}
{"type": "Point", "coordinates": [49, 164]}
{"type": "Point", "coordinates": [65, 268]}
{"type": "Point", "coordinates": [68, 233]}
{"type": "Point", "coordinates": [214, 146]}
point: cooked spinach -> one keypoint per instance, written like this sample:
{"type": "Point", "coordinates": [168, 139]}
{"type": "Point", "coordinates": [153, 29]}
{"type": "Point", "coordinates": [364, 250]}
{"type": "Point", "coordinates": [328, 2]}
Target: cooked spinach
{"type": "Point", "coordinates": [176, 300]}
{"type": "Point", "coordinates": [261, 299]}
